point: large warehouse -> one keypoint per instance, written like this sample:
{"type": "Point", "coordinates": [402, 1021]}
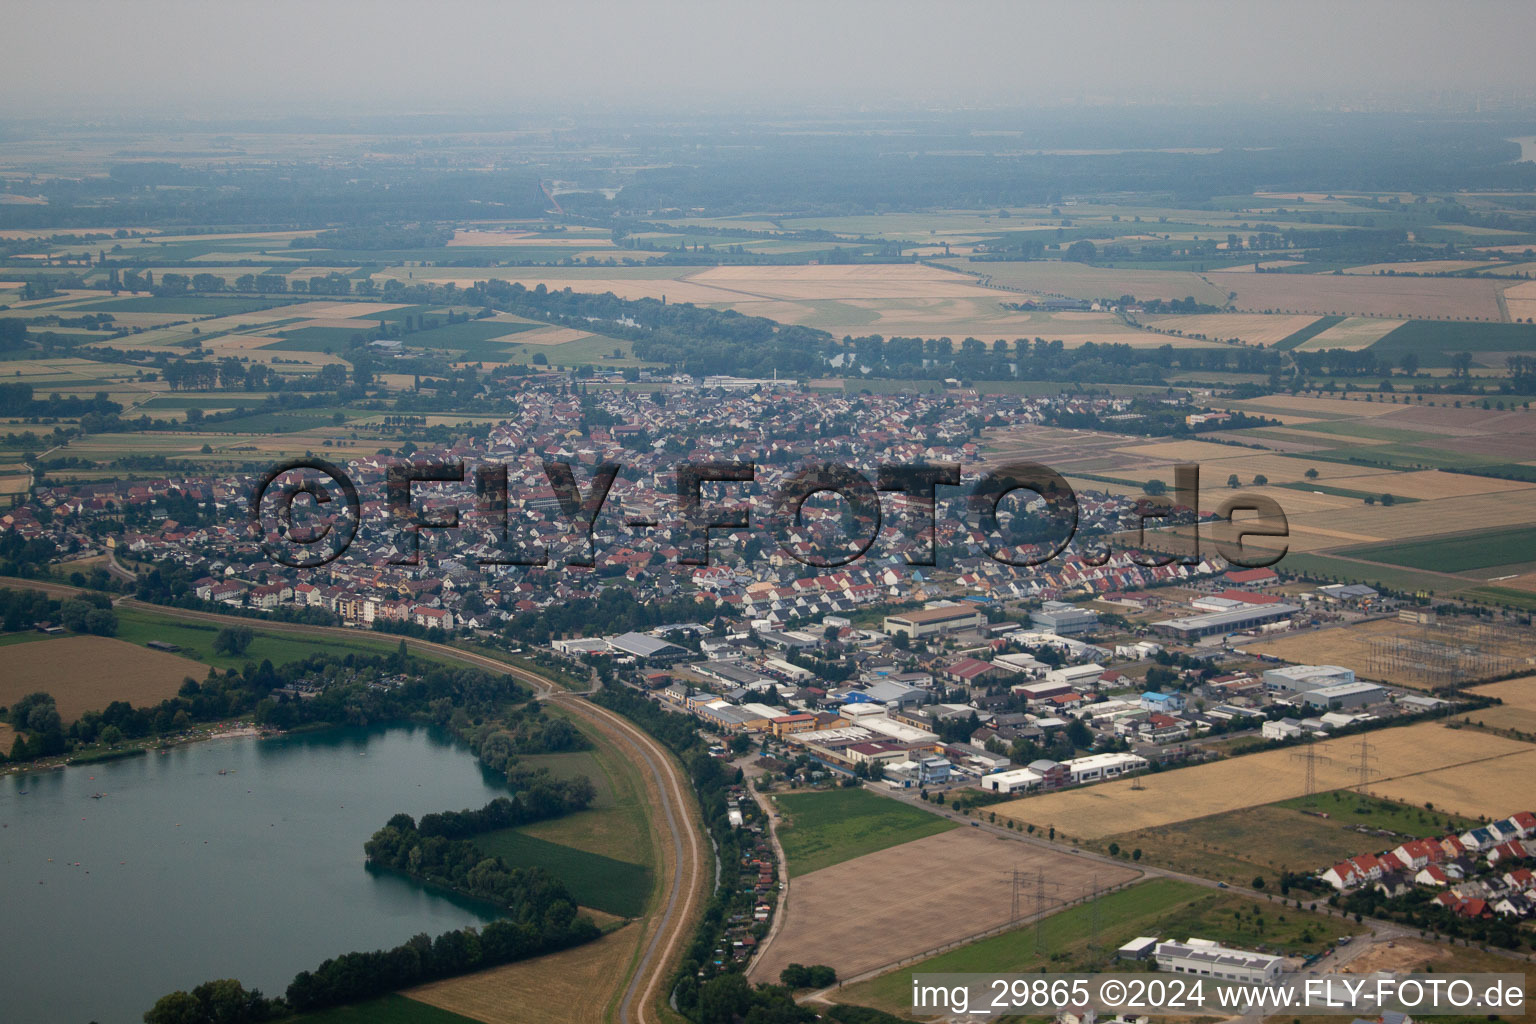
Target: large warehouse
{"type": "Point", "coordinates": [929, 621]}
{"type": "Point", "coordinates": [1216, 623]}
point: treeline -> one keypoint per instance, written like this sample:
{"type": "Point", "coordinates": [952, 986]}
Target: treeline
{"type": "Point", "coordinates": [542, 920]}
{"type": "Point", "coordinates": [539, 797]}
{"type": "Point", "coordinates": [17, 400]}
{"type": "Point", "coordinates": [343, 693]}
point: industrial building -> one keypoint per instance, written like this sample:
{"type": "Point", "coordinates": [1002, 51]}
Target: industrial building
{"type": "Point", "coordinates": [1344, 695]}
{"type": "Point", "coordinates": [1204, 957]}
{"type": "Point", "coordinates": [1064, 619]}
{"type": "Point", "coordinates": [1301, 678]}
{"type": "Point", "coordinates": [931, 621]}
{"type": "Point", "coordinates": [1217, 623]}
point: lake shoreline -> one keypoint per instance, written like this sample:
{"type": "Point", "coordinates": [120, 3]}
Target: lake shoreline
{"type": "Point", "coordinates": [234, 729]}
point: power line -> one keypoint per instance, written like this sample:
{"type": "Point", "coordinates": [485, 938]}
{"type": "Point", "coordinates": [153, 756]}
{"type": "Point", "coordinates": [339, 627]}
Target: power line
{"type": "Point", "coordinates": [1309, 756]}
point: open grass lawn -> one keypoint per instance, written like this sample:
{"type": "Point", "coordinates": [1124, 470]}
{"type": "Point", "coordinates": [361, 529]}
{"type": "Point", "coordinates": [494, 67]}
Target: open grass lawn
{"type": "Point", "coordinates": [1159, 906]}
{"type": "Point", "coordinates": [1481, 550]}
{"type": "Point", "coordinates": [390, 1009]}
{"type": "Point", "coordinates": [1264, 841]}
{"type": "Point", "coordinates": [825, 828]}
{"type": "Point", "coordinates": [139, 626]}
{"type": "Point", "coordinates": [594, 880]}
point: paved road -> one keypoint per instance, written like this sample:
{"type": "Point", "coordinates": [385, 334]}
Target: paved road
{"type": "Point", "coordinates": [672, 923]}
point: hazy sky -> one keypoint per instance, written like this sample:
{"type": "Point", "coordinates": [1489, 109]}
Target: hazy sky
{"type": "Point", "coordinates": [211, 56]}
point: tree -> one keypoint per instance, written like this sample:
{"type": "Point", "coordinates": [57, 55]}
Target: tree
{"type": "Point", "coordinates": [1155, 487]}
{"type": "Point", "coordinates": [1233, 482]}
{"type": "Point", "coordinates": [1311, 474]}
{"type": "Point", "coordinates": [176, 1008]}
{"type": "Point", "coordinates": [723, 999]}
{"type": "Point", "coordinates": [1136, 854]}
{"type": "Point", "coordinates": [1410, 363]}
{"type": "Point", "coordinates": [233, 640]}
{"type": "Point", "coordinates": [1258, 881]}
{"type": "Point", "coordinates": [1387, 499]}
{"type": "Point", "coordinates": [1461, 366]}
{"type": "Point", "coordinates": [1260, 480]}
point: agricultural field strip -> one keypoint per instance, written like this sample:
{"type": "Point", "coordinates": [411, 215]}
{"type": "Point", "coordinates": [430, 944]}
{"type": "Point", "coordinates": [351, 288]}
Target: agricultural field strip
{"type": "Point", "coordinates": [1199, 791]}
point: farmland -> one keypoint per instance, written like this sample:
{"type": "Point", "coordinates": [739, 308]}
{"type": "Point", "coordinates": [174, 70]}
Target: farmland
{"type": "Point", "coordinates": [821, 829]}
{"type": "Point", "coordinates": [1408, 765]}
{"type": "Point", "coordinates": [832, 911]}
{"type": "Point", "coordinates": [1158, 906]}
{"type": "Point", "coordinates": [579, 981]}
{"type": "Point", "coordinates": [1455, 553]}
{"type": "Point", "coordinates": [1265, 841]}
{"type": "Point", "coordinates": [596, 881]}
{"type": "Point", "coordinates": [69, 668]}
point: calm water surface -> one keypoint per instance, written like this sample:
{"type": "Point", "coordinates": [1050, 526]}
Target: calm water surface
{"type": "Point", "coordinates": [178, 874]}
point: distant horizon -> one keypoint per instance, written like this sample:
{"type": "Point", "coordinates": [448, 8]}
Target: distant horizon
{"type": "Point", "coordinates": [348, 57]}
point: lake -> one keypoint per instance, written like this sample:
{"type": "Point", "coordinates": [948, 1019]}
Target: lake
{"type": "Point", "coordinates": [178, 875]}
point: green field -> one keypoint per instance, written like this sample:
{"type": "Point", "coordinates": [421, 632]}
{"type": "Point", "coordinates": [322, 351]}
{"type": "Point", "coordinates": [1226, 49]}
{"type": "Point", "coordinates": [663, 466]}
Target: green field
{"type": "Point", "coordinates": [1308, 332]}
{"type": "Point", "coordinates": [826, 828]}
{"type": "Point", "coordinates": [1267, 840]}
{"type": "Point", "coordinates": [195, 639]}
{"type": "Point", "coordinates": [1161, 906]}
{"type": "Point", "coordinates": [391, 1009]}
{"type": "Point", "coordinates": [613, 886]}
{"type": "Point", "coordinates": [1482, 550]}
{"type": "Point", "coordinates": [1408, 580]}
{"type": "Point", "coordinates": [1434, 341]}
{"type": "Point", "coordinates": [320, 339]}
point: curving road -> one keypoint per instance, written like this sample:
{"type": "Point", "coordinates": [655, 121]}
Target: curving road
{"type": "Point", "coordinates": [671, 923]}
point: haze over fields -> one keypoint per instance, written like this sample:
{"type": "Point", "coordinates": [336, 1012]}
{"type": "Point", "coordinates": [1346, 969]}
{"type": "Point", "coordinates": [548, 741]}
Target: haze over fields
{"type": "Point", "coordinates": [166, 56]}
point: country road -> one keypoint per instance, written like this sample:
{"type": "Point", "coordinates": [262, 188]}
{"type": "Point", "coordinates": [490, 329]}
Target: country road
{"type": "Point", "coordinates": [683, 867]}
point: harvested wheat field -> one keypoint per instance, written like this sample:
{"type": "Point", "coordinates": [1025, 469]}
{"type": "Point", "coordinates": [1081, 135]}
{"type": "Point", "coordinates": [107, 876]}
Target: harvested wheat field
{"type": "Point", "coordinates": [1518, 711]}
{"type": "Point", "coordinates": [1352, 333]}
{"type": "Point", "coordinates": [1433, 298]}
{"type": "Point", "coordinates": [1492, 789]}
{"type": "Point", "coordinates": [1429, 484]}
{"type": "Point", "coordinates": [1357, 523]}
{"type": "Point", "coordinates": [74, 670]}
{"type": "Point", "coordinates": [886, 906]}
{"type": "Point", "coordinates": [1414, 757]}
{"type": "Point", "coordinates": [1521, 300]}
{"type": "Point", "coordinates": [1520, 693]}
{"type": "Point", "coordinates": [1254, 328]}
{"type": "Point", "coordinates": [573, 985]}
